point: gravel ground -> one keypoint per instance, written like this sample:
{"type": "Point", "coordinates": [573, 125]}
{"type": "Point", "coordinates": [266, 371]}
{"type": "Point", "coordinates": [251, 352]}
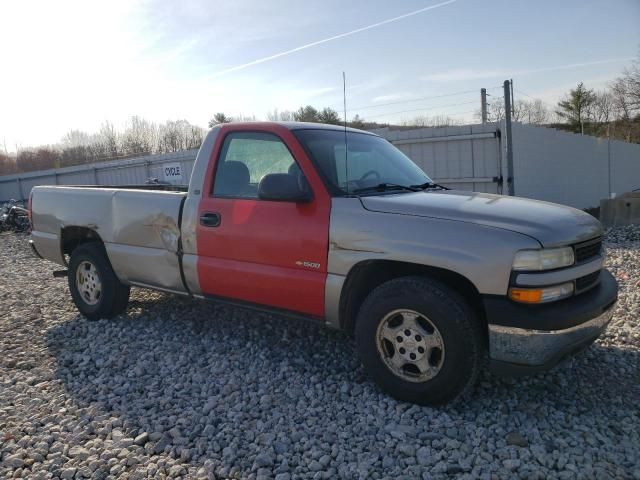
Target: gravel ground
{"type": "Point", "coordinates": [182, 388]}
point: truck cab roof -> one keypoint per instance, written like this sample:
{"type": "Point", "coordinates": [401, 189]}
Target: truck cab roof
{"type": "Point", "coordinates": [300, 126]}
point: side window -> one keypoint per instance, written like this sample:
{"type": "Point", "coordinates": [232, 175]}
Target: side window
{"type": "Point", "coordinates": [245, 158]}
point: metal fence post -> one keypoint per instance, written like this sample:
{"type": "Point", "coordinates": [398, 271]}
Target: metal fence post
{"type": "Point", "coordinates": [483, 104]}
{"type": "Point", "coordinates": [509, 134]}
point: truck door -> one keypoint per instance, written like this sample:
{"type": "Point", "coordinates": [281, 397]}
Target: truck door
{"type": "Point", "coordinates": [272, 253]}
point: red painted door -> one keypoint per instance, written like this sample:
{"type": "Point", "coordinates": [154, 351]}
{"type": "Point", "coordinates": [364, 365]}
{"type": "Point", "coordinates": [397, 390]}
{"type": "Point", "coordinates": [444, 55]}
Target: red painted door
{"type": "Point", "coordinates": [272, 253]}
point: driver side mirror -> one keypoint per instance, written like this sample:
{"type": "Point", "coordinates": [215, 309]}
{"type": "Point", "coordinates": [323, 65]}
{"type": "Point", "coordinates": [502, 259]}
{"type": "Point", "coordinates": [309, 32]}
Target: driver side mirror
{"type": "Point", "coordinates": [282, 187]}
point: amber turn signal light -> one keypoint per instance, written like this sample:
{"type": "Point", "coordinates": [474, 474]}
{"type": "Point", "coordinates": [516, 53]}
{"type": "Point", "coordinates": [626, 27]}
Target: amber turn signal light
{"type": "Point", "coordinates": [525, 295]}
{"type": "Point", "coordinates": [541, 295]}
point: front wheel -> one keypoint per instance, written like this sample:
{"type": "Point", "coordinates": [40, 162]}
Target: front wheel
{"type": "Point", "coordinates": [94, 287]}
{"type": "Point", "coordinates": [419, 340]}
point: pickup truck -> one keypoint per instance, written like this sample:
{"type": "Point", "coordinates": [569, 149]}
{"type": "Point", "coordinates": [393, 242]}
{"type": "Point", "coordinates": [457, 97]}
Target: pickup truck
{"type": "Point", "coordinates": [338, 226]}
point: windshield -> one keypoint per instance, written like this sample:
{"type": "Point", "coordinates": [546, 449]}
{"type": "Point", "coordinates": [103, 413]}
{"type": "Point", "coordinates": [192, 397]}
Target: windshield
{"type": "Point", "coordinates": [370, 161]}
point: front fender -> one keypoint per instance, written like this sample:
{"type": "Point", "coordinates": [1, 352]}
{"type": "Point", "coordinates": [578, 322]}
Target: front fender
{"type": "Point", "coordinates": [482, 254]}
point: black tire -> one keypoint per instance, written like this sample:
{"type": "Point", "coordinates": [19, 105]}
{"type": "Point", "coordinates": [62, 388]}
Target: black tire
{"type": "Point", "coordinates": [458, 328]}
{"type": "Point", "coordinates": [114, 295]}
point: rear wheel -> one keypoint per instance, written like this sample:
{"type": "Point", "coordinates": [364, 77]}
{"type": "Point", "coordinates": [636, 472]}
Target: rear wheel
{"type": "Point", "coordinates": [94, 287]}
{"type": "Point", "coordinates": [419, 340]}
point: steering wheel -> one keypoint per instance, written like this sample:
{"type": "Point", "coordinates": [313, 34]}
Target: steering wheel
{"type": "Point", "coordinates": [370, 173]}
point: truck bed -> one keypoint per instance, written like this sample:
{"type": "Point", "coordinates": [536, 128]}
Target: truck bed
{"type": "Point", "coordinates": [139, 226]}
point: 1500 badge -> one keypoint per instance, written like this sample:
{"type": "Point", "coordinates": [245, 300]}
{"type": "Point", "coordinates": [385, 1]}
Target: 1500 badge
{"type": "Point", "coordinates": [307, 264]}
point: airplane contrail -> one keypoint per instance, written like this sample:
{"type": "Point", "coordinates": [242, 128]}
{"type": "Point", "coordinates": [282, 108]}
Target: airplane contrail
{"type": "Point", "coordinates": [330, 39]}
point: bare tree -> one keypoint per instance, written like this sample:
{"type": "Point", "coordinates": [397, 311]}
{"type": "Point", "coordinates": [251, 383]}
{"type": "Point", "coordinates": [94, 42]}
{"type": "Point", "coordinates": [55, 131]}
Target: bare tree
{"type": "Point", "coordinates": [179, 135]}
{"type": "Point", "coordinates": [140, 136]}
{"type": "Point", "coordinates": [7, 164]}
{"type": "Point", "coordinates": [621, 100]}
{"type": "Point", "coordinates": [602, 109]}
{"type": "Point", "coordinates": [74, 149]}
{"type": "Point", "coordinates": [495, 111]}
{"type": "Point", "coordinates": [170, 137]}
{"type": "Point", "coordinates": [534, 112]}
{"type": "Point", "coordinates": [110, 139]}
{"type": "Point", "coordinates": [76, 138]}
{"type": "Point", "coordinates": [243, 118]}
{"type": "Point", "coordinates": [39, 158]}
{"type": "Point", "coordinates": [195, 136]}
{"type": "Point", "coordinates": [277, 116]}
{"type": "Point", "coordinates": [427, 121]}
{"type": "Point", "coordinates": [631, 79]}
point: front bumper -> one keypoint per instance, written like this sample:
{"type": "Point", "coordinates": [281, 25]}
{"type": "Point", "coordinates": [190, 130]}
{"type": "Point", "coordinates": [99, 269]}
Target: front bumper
{"type": "Point", "coordinates": [516, 346]}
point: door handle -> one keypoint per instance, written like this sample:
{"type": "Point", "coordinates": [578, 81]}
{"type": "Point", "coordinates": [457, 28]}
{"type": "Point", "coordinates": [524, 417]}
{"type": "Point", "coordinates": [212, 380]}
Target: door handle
{"type": "Point", "coordinates": [210, 219]}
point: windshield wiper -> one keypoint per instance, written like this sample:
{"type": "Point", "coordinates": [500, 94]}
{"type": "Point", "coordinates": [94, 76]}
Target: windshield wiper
{"type": "Point", "coordinates": [384, 187]}
{"type": "Point", "coordinates": [428, 185]}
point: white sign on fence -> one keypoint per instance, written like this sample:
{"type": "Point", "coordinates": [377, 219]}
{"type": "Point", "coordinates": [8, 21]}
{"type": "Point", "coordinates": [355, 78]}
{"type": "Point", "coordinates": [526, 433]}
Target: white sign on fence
{"type": "Point", "coordinates": [172, 172]}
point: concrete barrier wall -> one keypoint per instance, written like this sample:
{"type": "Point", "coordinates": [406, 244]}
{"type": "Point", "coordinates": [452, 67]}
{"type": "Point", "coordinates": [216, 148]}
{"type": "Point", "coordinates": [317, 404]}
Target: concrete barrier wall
{"type": "Point", "coordinates": [624, 210]}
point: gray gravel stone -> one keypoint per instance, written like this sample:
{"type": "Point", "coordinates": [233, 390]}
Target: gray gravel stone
{"type": "Point", "coordinates": [263, 460]}
{"type": "Point", "coordinates": [14, 461]}
{"type": "Point", "coordinates": [68, 473]}
{"type": "Point", "coordinates": [517, 439]}
{"type": "Point", "coordinates": [141, 439]}
{"type": "Point", "coordinates": [79, 453]}
{"type": "Point", "coordinates": [232, 393]}
{"type": "Point", "coordinates": [423, 455]}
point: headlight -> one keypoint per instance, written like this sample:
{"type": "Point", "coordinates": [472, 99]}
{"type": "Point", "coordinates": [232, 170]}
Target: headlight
{"type": "Point", "coordinates": [545, 259]}
{"type": "Point", "coordinates": [541, 295]}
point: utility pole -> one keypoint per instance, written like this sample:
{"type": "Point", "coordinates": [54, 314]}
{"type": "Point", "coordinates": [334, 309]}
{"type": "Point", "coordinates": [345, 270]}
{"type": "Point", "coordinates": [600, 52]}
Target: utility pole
{"type": "Point", "coordinates": [507, 120]}
{"type": "Point", "coordinates": [483, 104]}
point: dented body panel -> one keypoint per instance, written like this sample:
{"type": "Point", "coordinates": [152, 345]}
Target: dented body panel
{"type": "Point", "coordinates": [140, 229]}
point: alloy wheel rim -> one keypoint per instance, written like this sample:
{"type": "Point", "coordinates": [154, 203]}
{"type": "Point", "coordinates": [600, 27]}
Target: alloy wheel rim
{"type": "Point", "coordinates": [410, 345]}
{"type": "Point", "coordinates": [88, 283]}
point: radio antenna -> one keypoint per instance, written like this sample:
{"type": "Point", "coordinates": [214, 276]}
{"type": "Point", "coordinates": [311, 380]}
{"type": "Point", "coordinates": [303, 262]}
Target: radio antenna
{"type": "Point", "coordinates": [346, 150]}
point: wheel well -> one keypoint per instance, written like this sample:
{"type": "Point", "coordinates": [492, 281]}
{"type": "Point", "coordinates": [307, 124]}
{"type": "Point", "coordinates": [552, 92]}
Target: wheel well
{"type": "Point", "coordinates": [366, 276]}
{"type": "Point", "coordinates": [73, 237]}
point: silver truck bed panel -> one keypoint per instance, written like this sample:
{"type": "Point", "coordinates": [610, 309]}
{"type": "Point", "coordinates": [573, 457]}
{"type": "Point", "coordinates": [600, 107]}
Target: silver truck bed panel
{"type": "Point", "coordinates": [139, 228]}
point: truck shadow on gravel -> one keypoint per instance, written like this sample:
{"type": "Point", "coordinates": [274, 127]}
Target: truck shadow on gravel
{"type": "Point", "coordinates": [232, 381]}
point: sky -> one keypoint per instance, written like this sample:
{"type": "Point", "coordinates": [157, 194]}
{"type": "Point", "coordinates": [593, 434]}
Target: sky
{"type": "Point", "coordinates": [76, 64]}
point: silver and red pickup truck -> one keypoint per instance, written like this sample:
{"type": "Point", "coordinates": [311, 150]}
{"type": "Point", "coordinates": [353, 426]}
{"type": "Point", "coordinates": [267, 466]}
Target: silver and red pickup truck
{"type": "Point", "coordinates": [338, 226]}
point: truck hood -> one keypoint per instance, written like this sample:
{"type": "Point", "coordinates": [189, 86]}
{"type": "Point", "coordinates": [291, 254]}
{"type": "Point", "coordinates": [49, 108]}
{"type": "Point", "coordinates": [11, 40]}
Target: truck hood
{"type": "Point", "coordinates": [549, 223]}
